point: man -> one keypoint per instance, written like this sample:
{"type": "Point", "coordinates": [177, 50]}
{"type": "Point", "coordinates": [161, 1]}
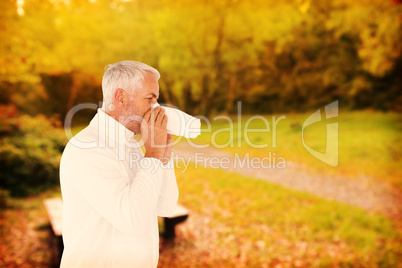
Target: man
{"type": "Point", "coordinates": [112, 191]}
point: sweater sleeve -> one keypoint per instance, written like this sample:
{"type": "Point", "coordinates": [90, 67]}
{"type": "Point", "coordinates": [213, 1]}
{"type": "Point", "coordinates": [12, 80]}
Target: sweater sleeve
{"type": "Point", "coordinates": [169, 193]}
{"type": "Point", "coordinates": [105, 185]}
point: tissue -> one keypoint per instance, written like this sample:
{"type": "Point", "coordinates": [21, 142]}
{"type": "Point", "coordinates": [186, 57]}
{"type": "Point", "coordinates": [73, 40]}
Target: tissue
{"type": "Point", "coordinates": [180, 123]}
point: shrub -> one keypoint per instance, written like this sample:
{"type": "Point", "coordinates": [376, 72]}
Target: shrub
{"type": "Point", "coordinates": [30, 151]}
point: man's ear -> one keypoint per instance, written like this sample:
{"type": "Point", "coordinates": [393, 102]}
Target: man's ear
{"type": "Point", "coordinates": [120, 98]}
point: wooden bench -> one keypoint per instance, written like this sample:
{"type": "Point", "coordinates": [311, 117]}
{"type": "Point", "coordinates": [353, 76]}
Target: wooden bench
{"type": "Point", "coordinates": [180, 215]}
{"type": "Point", "coordinates": [54, 208]}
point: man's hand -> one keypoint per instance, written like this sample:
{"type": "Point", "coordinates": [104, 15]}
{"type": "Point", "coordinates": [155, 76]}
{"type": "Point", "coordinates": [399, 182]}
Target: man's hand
{"type": "Point", "coordinates": [168, 150]}
{"type": "Point", "coordinates": [154, 133]}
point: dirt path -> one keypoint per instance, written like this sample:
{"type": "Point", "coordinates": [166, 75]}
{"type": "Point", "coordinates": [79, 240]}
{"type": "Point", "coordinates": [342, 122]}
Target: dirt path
{"type": "Point", "coordinates": [364, 192]}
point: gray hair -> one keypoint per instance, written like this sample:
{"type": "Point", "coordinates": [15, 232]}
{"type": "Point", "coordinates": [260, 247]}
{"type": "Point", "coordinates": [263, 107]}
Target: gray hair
{"type": "Point", "coordinates": [127, 75]}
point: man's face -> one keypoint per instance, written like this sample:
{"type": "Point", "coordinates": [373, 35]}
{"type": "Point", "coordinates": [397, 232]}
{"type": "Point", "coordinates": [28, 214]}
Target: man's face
{"type": "Point", "coordinates": [142, 100]}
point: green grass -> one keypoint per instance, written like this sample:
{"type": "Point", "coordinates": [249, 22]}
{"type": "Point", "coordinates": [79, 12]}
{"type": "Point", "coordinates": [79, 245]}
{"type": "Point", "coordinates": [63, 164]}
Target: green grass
{"type": "Point", "coordinates": [252, 223]}
{"type": "Point", "coordinates": [286, 225]}
{"type": "Point", "coordinates": [370, 143]}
